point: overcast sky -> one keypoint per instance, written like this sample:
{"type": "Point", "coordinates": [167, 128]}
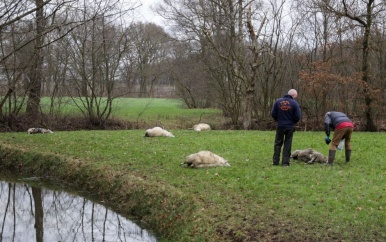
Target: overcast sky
{"type": "Point", "coordinates": [147, 14]}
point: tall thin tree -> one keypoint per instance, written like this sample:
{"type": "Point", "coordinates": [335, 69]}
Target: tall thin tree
{"type": "Point", "coordinates": [34, 92]}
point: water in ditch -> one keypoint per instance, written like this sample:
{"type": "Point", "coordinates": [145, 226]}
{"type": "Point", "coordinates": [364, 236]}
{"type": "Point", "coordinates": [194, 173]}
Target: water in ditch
{"type": "Point", "coordinates": [30, 213]}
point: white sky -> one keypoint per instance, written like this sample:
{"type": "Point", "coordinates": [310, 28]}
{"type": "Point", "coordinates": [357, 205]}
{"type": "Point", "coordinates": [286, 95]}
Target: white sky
{"type": "Point", "coordinates": [146, 14]}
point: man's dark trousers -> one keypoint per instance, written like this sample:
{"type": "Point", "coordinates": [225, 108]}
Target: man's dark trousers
{"type": "Point", "coordinates": [283, 135]}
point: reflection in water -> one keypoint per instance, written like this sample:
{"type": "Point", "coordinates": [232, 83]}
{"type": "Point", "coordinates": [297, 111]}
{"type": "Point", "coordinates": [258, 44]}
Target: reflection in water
{"type": "Point", "coordinates": [35, 214]}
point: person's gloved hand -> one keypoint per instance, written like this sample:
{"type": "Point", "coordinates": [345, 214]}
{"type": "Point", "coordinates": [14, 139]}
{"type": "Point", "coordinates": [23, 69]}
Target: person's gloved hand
{"type": "Point", "coordinates": [328, 141]}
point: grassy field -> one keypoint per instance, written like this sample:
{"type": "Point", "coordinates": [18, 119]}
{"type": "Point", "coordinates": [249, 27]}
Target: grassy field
{"type": "Point", "coordinates": [147, 112]}
{"type": "Point", "coordinates": [249, 201]}
{"type": "Point", "coordinates": [165, 112]}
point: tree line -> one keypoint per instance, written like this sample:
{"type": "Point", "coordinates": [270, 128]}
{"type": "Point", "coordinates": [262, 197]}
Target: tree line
{"type": "Point", "coordinates": [236, 55]}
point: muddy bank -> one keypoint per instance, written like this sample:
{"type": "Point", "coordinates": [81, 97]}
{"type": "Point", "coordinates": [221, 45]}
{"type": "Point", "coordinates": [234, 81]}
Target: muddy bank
{"type": "Point", "coordinates": [155, 206]}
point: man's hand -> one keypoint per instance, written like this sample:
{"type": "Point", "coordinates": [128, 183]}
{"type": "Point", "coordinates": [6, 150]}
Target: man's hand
{"type": "Point", "coordinates": [328, 141]}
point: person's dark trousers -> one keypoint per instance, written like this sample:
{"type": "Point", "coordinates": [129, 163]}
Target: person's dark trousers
{"type": "Point", "coordinates": [283, 135]}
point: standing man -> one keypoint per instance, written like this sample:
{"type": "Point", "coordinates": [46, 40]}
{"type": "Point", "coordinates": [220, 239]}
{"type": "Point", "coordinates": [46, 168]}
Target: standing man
{"type": "Point", "coordinates": [343, 128]}
{"type": "Point", "coordinates": [286, 112]}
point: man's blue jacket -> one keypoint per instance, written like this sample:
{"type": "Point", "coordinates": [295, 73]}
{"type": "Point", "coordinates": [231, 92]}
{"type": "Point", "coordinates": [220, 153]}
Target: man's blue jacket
{"type": "Point", "coordinates": [286, 112]}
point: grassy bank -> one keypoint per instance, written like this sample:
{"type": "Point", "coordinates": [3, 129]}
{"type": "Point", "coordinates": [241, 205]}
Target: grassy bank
{"type": "Point", "coordinates": [249, 201]}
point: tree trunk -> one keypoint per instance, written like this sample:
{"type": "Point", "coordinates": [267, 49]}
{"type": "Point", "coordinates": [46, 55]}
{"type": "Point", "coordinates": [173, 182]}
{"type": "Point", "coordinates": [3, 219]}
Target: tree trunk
{"type": "Point", "coordinates": [370, 126]}
{"type": "Point", "coordinates": [250, 92]}
{"type": "Point", "coordinates": [34, 92]}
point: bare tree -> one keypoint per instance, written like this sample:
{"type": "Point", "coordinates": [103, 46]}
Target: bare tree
{"type": "Point", "coordinates": [149, 48]}
{"type": "Point", "coordinates": [95, 57]}
{"type": "Point", "coordinates": [215, 29]}
{"type": "Point", "coordinates": [14, 69]}
{"type": "Point", "coordinates": [255, 48]}
{"type": "Point", "coordinates": [16, 15]}
{"type": "Point", "coordinates": [188, 72]}
{"type": "Point", "coordinates": [43, 23]}
{"type": "Point", "coordinates": [278, 69]}
{"type": "Point", "coordinates": [362, 13]}
{"type": "Point", "coordinates": [34, 91]}
{"type": "Point", "coordinates": [13, 11]}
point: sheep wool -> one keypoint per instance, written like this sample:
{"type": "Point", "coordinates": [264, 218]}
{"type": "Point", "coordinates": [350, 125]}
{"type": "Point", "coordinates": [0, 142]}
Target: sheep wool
{"type": "Point", "coordinates": [158, 131]}
{"type": "Point", "coordinates": [201, 127]}
{"type": "Point", "coordinates": [38, 131]}
{"type": "Point", "coordinates": [309, 156]}
{"type": "Point", "coordinates": [204, 159]}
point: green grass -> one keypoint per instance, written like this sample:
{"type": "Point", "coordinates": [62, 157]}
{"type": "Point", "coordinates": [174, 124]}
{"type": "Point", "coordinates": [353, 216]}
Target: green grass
{"type": "Point", "coordinates": [249, 201]}
{"type": "Point", "coordinates": [159, 107]}
{"type": "Point", "coordinates": [169, 113]}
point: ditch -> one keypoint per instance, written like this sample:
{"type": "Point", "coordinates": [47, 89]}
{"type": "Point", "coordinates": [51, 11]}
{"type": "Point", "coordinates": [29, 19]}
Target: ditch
{"type": "Point", "coordinates": [32, 212]}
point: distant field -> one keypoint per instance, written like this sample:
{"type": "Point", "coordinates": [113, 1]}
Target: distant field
{"type": "Point", "coordinates": [170, 113]}
{"type": "Point", "coordinates": [133, 108]}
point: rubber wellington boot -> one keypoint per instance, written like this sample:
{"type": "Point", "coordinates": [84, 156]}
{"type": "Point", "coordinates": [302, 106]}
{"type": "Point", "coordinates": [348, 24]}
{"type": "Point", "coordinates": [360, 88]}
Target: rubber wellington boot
{"type": "Point", "coordinates": [331, 156]}
{"type": "Point", "coordinates": [348, 155]}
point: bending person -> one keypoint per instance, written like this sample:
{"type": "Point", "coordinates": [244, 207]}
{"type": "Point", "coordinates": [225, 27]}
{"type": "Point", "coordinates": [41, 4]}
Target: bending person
{"type": "Point", "coordinates": [343, 128]}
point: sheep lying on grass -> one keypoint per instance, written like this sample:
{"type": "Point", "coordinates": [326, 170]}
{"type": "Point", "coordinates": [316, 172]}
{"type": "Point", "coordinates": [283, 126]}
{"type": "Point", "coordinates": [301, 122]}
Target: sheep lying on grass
{"type": "Point", "coordinates": [204, 159]}
{"type": "Point", "coordinates": [309, 156]}
{"type": "Point", "coordinates": [201, 127]}
{"type": "Point", "coordinates": [38, 131]}
{"type": "Point", "coordinates": [158, 131]}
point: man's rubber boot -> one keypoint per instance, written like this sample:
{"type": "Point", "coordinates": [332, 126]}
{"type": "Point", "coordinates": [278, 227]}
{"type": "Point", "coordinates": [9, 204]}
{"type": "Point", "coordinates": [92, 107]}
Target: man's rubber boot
{"type": "Point", "coordinates": [348, 155]}
{"type": "Point", "coordinates": [331, 156]}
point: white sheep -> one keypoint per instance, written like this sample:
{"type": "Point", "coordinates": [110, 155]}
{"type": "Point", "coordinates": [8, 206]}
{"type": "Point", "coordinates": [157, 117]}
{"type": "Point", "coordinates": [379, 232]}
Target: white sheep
{"type": "Point", "coordinates": [204, 159]}
{"type": "Point", "coordinates": [309, 156]}
{"type": "Point", "coordinates": [38, 131]}
{"type": "Point", "coordinates": [158, 131]}
{"type": "Point", "coordinates": [201, 127]}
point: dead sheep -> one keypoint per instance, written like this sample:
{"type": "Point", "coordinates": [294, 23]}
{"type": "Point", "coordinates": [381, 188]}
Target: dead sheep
{"type": "Point", "coordinates": [38, 131]}
{"type": "Point", "coordinates": [201, 127]}
{"type": "Point", "coordinates": [204, 159]}
{"type": "Point", "coordinates": [158, 131]}
{"type": "Point", "coordinates": [309, 156]}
